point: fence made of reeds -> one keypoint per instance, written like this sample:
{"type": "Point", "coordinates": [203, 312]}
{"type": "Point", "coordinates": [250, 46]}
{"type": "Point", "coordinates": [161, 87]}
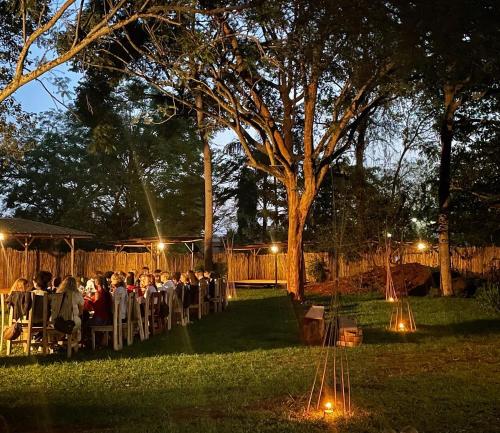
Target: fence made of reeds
{"type": "Point", "coordinates": [244, 266]}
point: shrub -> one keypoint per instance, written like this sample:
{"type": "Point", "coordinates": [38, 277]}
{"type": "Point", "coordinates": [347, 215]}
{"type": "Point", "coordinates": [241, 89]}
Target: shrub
{"type": "Point", "coordinates": [488, 296]}
{"type": "Point", "coordinates": [220, 268]}
{"type": "Point", "coordinates": [317, 270]}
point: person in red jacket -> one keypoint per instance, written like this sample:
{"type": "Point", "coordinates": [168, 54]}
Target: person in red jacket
{"type": "Point", "coordinates": [101, 304]}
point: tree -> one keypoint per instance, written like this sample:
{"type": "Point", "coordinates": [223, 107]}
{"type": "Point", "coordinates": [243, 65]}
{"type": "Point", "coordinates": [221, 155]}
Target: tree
{"type": "Point", "coordinates": [455, 47]}
{"type": "Point", "coordinates": [117, 176]}
{"type": "Point", "coordinates": [65, 30]}
{"type": "Point", "coordinates": [291, 79]}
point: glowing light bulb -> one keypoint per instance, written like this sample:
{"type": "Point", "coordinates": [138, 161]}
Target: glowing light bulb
{"type": "Point", "coordinates": [402, 327]}
{"type": "Point", "coordinates": [421, 246]}
{"type": "Point", "coordinates": [229, 297]}
{"type": "Point", "coordinates": [274, 249]}
{"type": "Point", "coordinates": [161, 246]}
{"type": "Point", "coordinates": [2, 237]}
{"type": "Point", "coordinates": [391, 299]}
{"type": "Point", "coordinates": [389, 235]}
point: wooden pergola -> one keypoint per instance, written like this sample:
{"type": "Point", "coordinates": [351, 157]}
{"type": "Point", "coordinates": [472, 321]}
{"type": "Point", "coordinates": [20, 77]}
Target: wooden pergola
{"type": "Point", "coordinates": [25, 232]}
{"type": "Point", "coordinates": [255, 249]}
{"type": "Point", "coordinates": [157, 243]}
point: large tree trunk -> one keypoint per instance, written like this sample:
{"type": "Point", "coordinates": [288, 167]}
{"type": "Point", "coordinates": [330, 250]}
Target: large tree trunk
{"type": "Point", "coordinates": [446, 136]}
{"type": "Point", "coordinates": [207, 176]}
{"type": "Point", "coordinates": [297, 215]}
{"type": "Point", "coordinates": [209, 212]}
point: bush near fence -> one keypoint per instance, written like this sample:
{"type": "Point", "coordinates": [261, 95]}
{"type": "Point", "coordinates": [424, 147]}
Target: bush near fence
{"type": "Point", "coordinates": [244, 266]}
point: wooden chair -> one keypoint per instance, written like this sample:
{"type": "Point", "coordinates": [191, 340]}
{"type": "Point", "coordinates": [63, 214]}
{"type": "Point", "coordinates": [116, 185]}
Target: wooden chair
{"type": "Point", "coordinates": [166, 300]}
{"type": "Point", "coordinates": [30, 325]}
{"type": "Point", "coordinates": [2, 318]}
{"type": "Point", "coordinates": [153, 321]}
{"type": "Point", "coordinates": [52, 335]}
{"type": "Point", "coordinates": [217, 300]}
{"type": "Point", "coordinates": [115, 329]}
{"type": "Point", "coordinates": [198, 305]}
{"type": "Point", "coordinates": [134, 319]}
{"type": "Point", "coordinates": [177, 309]}
{"type": "Point", "coordinates": [205, 304]}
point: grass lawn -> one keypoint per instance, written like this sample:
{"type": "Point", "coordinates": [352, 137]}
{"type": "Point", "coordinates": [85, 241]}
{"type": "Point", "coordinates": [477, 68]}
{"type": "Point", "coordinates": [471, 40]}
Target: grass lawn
{"type": "Point", "coordinates": [245, 371]}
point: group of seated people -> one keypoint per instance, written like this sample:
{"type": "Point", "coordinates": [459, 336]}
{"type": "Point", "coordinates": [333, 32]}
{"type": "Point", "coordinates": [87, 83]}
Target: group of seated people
{"type": "Point", "coordinates": [89, 302]}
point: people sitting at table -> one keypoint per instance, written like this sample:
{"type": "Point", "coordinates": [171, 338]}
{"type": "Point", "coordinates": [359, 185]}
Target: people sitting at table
{"type": "Point", "coordinates": [119, 293]}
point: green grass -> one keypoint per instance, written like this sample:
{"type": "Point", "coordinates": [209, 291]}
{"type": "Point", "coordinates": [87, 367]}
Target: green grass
{"type": "Point", "coordinates": [245, 371]}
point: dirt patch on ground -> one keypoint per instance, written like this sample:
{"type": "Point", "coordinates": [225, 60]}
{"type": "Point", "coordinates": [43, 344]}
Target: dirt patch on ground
{"type": "Point", "coordinates": [414, 277]}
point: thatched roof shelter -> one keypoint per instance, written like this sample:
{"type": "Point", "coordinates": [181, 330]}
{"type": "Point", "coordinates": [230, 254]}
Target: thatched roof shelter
{"type": "Point", "coordinates": [26, 231]}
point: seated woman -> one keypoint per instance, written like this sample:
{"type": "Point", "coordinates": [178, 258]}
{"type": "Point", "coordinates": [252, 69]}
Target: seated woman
{"type": "Point", "coordinates": [101, 303]}
{"type": "Point", "coordinates": [19, 298]}
{"type": "Point", "coordinates": [119, 292]}
{"type": "Point", "coordinates": [72, 308]}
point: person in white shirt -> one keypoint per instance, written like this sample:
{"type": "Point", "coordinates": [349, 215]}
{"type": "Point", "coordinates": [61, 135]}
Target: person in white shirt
{"type": "Point", "coordinates": [147, 285]}
{"type": "Point", "coordinates": [167, 283]}
{"type": "Point", "coordinates": [119, 292]}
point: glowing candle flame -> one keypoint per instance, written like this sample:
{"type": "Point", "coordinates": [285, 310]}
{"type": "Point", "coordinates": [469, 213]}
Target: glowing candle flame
{"type": "Point", "coordinates": [328, 407]}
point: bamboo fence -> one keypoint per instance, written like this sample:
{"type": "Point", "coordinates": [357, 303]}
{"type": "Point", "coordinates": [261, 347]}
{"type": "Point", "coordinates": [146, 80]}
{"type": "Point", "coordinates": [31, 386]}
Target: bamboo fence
{"type": "Point", "coordinates": [243, 266]}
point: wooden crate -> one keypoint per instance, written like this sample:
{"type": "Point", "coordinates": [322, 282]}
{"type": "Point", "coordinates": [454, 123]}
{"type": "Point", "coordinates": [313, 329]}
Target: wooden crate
{"type": "Point", "coordinates": [350, 334]}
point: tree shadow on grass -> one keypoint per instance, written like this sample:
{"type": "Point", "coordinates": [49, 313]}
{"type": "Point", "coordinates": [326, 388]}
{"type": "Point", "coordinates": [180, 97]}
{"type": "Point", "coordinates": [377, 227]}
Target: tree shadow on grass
{"type": "Point", "coordinates": [480, 327]}
{"type": "Point", "coordinates": [149, 416]}
{"type": "Point", "coordinates": [257, 323]}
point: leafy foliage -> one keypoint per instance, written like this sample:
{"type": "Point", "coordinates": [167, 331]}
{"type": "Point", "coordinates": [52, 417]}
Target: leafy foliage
{"type": "Point", "coordinates": [113, 176]}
